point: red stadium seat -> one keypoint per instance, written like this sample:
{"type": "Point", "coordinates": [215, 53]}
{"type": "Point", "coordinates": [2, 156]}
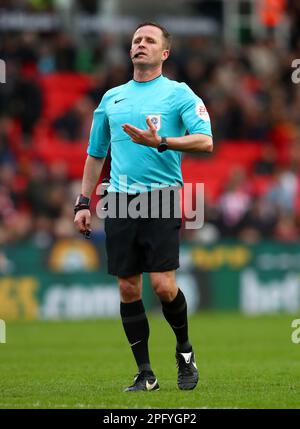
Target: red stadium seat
{"type": "Point", "coordinates": [240, 152]}
{"type": "Point", "coordinates": [52, 150]}
{"type": "Point", "coordinates": [212, 173]}
{"type": "Point", "coordinates": [61, 91]}
{"type": "Point", "coordinates": [215, 170]}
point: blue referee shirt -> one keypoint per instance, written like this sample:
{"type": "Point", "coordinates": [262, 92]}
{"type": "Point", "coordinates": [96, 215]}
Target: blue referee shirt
{"type": "Point", "coordinates": [173, 108]}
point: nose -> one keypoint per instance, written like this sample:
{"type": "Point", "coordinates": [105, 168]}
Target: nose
{"type": "Point", "coordinates": [141, 44]}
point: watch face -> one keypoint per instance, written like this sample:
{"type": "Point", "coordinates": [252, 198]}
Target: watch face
{"type": "Point", "coordinates": [162, 147]}
{"type": "Point", "coordinates": [83, 200]}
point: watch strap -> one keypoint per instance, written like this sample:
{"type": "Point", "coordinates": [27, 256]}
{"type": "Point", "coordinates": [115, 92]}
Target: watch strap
{"type": "Point", "coordinates": [82, 203]}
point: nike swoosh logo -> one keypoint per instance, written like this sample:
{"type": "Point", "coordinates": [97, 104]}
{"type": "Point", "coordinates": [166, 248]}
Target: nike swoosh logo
{"type": "Point", "coordinates": [131, 345]}
{"type": "Point", "coordinates": [178, 327]}
{"type": "Point", "coordinates": [150, 386]}
{"type": "Point", "coordinates": [118, 101]}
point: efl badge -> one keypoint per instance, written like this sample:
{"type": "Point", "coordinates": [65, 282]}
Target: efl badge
{"type": "Point", "coordinates": [202, 112]}
{"type": "Point", "coordinates": [156, 121]}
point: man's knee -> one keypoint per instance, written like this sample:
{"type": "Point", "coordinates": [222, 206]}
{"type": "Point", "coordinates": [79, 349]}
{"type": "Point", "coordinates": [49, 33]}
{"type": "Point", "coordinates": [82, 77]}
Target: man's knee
{"type": "Point", "coordinates": [164, 286]}
{"type": "Point", "coordinates": [130, 288]}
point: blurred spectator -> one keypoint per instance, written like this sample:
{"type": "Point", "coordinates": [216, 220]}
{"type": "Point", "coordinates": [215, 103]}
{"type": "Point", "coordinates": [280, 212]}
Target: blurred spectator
{"type": "Point", "coordinates": [64, 226]}
{"type": "Point", "coordinates": [7, 207]}
{"type": "Point", "coordinates": [259, 221]}
{"type": "Point", "coordinates": [284, 190]}
{"type": "Point", "coordinates": [98, 87]}
{"type": "Point", "coordinates": [234, 202]}
{"type": "Point", "coordinates": [267, 163]}
{"type": "Point", "coordinates": [110, 52]}
{"type": "Point", "coordinates": [65, 53]}
{"type": "Point", "coordinates": [37, 188]}
{"type": "Point", "coordinates": [46, 61]}
{"type": "Point", "coordinates": [27, 101]}
{"type": "Point", "coordinates": [263, 58]}
{"type": "Point", "coordinates": [27, 51]}
{"type": "Point", "coordinates": [42, 234]}
{"type": "Point", "coordinates": [293, 160]}
{"type": "Point", "coordinates": [286, 229]}
{"type": "Point", "coordinates": [75, 124]}
{"type": "Point", "coordinates": [6, 155]}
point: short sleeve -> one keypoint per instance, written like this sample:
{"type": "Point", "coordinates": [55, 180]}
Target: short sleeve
{"type": "Point", "coordinates": [100, 133]}
{"type": "Point", "coordinates": [192, 110]}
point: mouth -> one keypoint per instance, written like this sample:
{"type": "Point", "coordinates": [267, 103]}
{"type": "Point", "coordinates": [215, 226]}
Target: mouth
{"type": "Point", "coordinates": [140, 54]}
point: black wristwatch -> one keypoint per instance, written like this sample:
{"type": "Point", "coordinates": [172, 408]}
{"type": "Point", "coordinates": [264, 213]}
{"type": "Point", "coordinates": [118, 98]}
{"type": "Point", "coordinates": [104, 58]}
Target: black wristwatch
{"type": "Point", "coordinates": [163, 145]}
{"type": "Point", "coordinates": [82, 203]}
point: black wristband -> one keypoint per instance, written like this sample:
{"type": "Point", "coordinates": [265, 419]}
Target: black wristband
{"type": "Point", "coordinates": [82, 203]}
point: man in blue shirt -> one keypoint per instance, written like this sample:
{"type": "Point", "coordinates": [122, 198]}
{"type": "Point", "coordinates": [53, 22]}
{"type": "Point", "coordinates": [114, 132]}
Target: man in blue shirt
{"type": "Point", "coordinates": [146, 121]}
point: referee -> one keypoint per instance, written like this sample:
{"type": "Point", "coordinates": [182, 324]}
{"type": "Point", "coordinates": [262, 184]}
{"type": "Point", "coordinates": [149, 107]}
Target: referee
{"type": "Point", "coordinates": [146, 121]}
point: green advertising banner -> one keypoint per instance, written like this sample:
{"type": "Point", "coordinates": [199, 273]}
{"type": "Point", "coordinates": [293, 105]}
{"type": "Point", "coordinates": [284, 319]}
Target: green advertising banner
{"type": "Point", "coordinates": [69, 280]}
{"type": "Point", "coordinates": [261, 278]}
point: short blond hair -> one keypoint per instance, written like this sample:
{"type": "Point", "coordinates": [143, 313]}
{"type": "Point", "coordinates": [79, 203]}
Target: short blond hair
{"type": "Point", "coordinates": [166, 35]}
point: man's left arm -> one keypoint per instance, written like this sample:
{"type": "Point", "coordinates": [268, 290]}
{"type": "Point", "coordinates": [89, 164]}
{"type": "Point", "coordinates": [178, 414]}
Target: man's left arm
{"type": "Point", "coordinates": [191, 143]}
{"type": "Point", "coordinates": [195, 118]}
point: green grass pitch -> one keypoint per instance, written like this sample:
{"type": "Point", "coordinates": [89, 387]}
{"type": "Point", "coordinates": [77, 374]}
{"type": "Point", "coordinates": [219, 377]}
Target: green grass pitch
{"type": "Point", "coordinates": [244, 362]}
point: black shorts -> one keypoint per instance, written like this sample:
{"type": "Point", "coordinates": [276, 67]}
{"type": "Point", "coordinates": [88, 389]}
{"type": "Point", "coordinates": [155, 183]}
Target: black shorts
{"type": "Point", "coordinates": [145, 243]}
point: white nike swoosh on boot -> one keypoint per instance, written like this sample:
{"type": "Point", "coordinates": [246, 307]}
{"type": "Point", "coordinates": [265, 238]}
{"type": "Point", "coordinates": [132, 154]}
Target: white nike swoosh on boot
{"type": "Point", "coordinates": [150, 386]}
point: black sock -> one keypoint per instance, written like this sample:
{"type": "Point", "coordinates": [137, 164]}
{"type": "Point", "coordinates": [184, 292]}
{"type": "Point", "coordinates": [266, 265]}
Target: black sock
{"type": "Point", "coordinates": [175, 313]}
{"type": "Point", "coordinates": [136, 328]}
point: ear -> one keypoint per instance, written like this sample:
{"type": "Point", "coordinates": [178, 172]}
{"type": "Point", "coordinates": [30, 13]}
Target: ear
{"type": "Point", "coordinates": [130, 53]}
{"type": "Point", "coordinates": [165, 54]}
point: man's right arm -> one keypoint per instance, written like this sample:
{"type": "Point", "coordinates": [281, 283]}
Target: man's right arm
{"type": "Point", "coordinates": [91, 173]}
{"type": "Point", "coordinates": [92, 170]}
{"type": "Point", "coordinates": [97, 149]}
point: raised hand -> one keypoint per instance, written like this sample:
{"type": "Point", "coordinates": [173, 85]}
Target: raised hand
{"type": "Point", "coordinates": [147, 137]}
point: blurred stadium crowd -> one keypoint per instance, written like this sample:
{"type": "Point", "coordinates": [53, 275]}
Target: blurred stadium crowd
{"type": "Point", "coordinates": [249, 94]}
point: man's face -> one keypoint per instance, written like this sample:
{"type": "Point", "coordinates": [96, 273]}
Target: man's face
{"type": "Point", "coordinates": [148, 45]}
